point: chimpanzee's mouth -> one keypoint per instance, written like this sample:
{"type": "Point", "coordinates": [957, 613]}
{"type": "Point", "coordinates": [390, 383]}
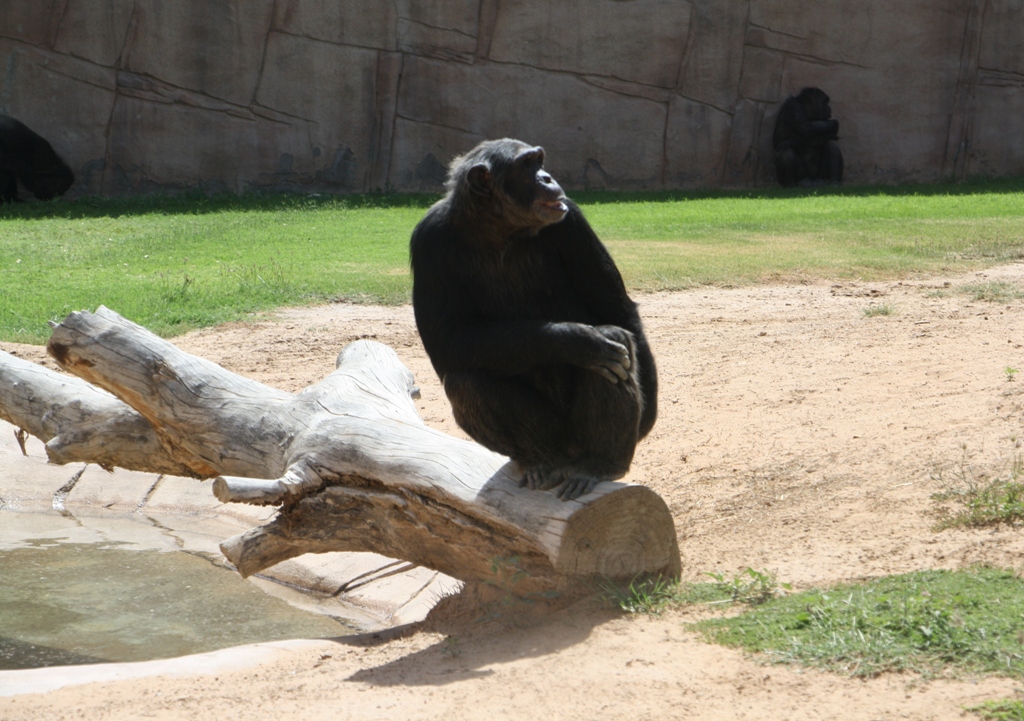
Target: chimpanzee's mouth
{"type": "Point", "coordinates": [557, 206]}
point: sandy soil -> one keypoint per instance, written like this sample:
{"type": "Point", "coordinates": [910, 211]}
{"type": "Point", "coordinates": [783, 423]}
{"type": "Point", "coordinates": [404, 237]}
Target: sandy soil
{"type": "Point", "coordinates": [796, 434]}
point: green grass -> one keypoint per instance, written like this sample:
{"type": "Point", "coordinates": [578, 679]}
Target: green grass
{"type": "Point", "coordinates": [181, 264]}
{"type": "Point", "coordinates": [885, 309]}
{"type": "Point", "coordinates": [992, 291]}
{"type": "Point", "coordinates": [672, 241]}
{"type": "Point", "coordinates": [1004, 710]}
{"type": "Point", "coordinates": [973, 499]}
{"type": "Point", "coordinates": [173, 264]}
{"type": "Point", "coordinates": [654, 595]}
{"type": "Point", "coordinates": [928, 622]}
{"type": "Point", "coordinates": [642, 595]}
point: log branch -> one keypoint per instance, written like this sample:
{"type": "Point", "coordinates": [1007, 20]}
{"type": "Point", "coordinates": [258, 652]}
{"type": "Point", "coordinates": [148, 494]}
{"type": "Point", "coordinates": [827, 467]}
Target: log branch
{"type": "Point", "coordinates": [79, 422]}
{"type": "Point", "coordinates": [349, 460]}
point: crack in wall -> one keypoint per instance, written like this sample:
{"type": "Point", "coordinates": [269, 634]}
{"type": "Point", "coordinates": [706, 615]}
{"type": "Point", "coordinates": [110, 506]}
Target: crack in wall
{"type": "Point", "coordinates": [321, 41]}
{"type": "Point", "coordinates": [961, 119]}
{"type": "Point", "coordinates": [263, 55]}
{"type": "Point", "coordinates": [149, 494]}
{"type": "Point", "coordinates": [824, 62]}
{"type": "Point", "coordinates": [417, 23]}
{"type": "Point", "coordinates": [120, 65]}
{"type": "Point", "coordinates": [487, 18]}
{"type": "Point", "coordinates": [991, 77]}
{"type": "Point", "coordinates": [77, 79]}
{"type": "Point", "coordinates": [57, 15]}
{"type": "Point", "coordinates": [602, 82]}
{"type": "Point", "coordinates": [62, 493]}
{"type": "Point", "coordinates": [765, 28]}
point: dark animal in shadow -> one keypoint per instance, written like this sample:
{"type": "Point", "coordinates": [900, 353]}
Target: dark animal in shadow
{"type": "Point", "coordinates": [806, 151]}
{"type": "Point", "coordinates": [527, 322]}
{"type": "Point", "coordinates": [26, 156]}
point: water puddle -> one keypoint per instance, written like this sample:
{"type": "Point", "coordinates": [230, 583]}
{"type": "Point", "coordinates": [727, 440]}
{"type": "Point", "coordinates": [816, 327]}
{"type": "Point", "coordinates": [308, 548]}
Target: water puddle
{"type": "Point", "coordinates": [78, 591]}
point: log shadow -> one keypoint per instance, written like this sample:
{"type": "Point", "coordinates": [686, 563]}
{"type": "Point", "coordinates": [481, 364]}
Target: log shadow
{"type": "Point", "coordinates": [468, 649]}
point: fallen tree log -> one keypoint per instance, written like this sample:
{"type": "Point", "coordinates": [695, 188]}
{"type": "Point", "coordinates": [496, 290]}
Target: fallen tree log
{"type": "Point", "coordinates": [349, 460]}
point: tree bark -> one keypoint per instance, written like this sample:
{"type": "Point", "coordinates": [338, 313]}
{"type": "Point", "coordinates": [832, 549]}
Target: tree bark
{"type": "Point", "coordinates": [349, 460]}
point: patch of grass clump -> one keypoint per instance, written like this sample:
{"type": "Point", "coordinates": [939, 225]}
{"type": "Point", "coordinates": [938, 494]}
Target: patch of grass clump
{"type": "Point", "coordinates": [1002, 710]}
{"type": "Point", "coordinates": [972, 499]}
{"type": "Point", "coordinates": [993, 291]}
{"type": "Point", "coordinates": [928, 622]}
{"type": "Point", "coordinates": [873, 311]}
{"type": "Point", "coordinates": [749, 586]}
{"type": "Point", "coordinates": [654, 595]}
{"type": "Point", "coordinates": [643, 595]}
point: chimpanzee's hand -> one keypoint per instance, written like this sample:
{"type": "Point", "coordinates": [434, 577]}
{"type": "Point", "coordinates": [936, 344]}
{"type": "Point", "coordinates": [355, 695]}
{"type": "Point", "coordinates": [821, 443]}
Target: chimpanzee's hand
{"type": "Point", "coordinates": [611, 360]}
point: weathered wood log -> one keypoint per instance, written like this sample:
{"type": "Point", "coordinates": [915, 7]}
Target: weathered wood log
{"type": "Point", "coordinates": [349, 460]}
{"type": "Point", "coordinates": [79, 422]}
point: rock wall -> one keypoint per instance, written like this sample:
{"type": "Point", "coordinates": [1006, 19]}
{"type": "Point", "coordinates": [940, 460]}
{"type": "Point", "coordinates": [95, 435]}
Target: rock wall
{"type": "Point", "coordinates": [143, 95]}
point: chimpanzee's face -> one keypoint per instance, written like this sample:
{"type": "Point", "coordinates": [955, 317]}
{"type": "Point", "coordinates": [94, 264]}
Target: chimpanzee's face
{"type": "Point", "coordinates": [533, 187]}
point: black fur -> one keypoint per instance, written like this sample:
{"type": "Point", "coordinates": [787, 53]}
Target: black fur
{"type": "Point", "coordinates": [27, 157]}
{"type": "Point", "coordinates": [806, 151]}
{"type": "Point", "coordinates": [528, 324]}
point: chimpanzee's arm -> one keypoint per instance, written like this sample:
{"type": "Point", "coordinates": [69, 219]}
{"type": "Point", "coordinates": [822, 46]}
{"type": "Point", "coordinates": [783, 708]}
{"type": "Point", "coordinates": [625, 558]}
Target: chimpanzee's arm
{"type": "Point", "coordinates": [599, 283]}
{"type": "Point", "coordinates": [812, 130]}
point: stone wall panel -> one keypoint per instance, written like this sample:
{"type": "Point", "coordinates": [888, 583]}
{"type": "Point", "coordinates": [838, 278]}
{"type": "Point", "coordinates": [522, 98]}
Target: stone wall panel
{"type": "Point", "coordinates": [1002, 42]}
{"type": "Point", "coordinates": [649, 37]}
{"type": "Point", "coordinates": [696, 142]}
{"type": "Point", "coordinates": [714, 58]}
{"type": "Point", "coordinates": [95, 31]}
{"type": "Point", "coordinates": [333, 86]}
{"type": "Point", "coordinates": [832, 30]}
{"type": "Point", "coordinates": [210, 46]}
{"type": "Point", "coordinates": [29, 21]}
{"type": "Point", "coordinates": [576, 122]}
{"type": "Point", "coordinates": [439, 28]}
{"type": "Point", "coordinates": [386, 83]}
{"type": "Point", "coordinates": [742, 156]}
{"type": "Point", "coordinates": [995, 147]}
{"type": "Point", "coordinates": [230, 153]}
{"type": "Point", "coordinates": [762, 72]}
{"type": "Point", "coordinates": [361, 23]}
{"type": "Point", "coordinates": [426, 150]}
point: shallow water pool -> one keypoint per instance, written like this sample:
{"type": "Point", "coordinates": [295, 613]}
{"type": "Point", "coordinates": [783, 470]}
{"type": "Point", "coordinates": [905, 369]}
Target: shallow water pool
{"type": "Point", "coordinates": [78, 595]}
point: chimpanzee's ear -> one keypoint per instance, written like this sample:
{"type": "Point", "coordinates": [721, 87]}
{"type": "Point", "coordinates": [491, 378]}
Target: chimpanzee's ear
{"type": "Point", "coordinates": [479, 179]}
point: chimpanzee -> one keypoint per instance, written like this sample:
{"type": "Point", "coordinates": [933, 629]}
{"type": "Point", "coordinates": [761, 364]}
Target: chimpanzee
{"type": "Point", "coordinates": [527, 322]}
{"type": "Point", "coordinates": [27, 157]}
{"type": "Point", "coordinates": [806, 152]}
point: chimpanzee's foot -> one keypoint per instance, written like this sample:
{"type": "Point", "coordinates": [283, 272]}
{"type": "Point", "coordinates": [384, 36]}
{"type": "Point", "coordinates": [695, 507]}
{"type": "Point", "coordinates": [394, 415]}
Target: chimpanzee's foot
{"type": "Point", "coordinates": [542, 477]}
{"type": "Point", "coordinates": [576, 485]}
{"type": "Point", "coordinates": [570, 482]}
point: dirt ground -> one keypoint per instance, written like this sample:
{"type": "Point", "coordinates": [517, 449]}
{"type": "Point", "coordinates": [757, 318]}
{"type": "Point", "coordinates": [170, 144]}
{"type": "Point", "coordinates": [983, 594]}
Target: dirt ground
{"type": "Point", "coordinates": [797, 434]}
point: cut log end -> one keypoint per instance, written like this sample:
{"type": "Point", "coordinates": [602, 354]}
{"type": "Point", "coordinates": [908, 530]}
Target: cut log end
{"type": "Point", "coordinates": [620, 536]}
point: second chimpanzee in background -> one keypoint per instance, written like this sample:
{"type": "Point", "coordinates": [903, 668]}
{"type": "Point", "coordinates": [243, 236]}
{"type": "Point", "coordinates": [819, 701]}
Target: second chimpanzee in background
{"type": "Point", "coordinates": [806, 151]}
{"type": "Point", "coordinates": [528, 324]}
{"type": "Point", "coordinates": [28, 157]}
